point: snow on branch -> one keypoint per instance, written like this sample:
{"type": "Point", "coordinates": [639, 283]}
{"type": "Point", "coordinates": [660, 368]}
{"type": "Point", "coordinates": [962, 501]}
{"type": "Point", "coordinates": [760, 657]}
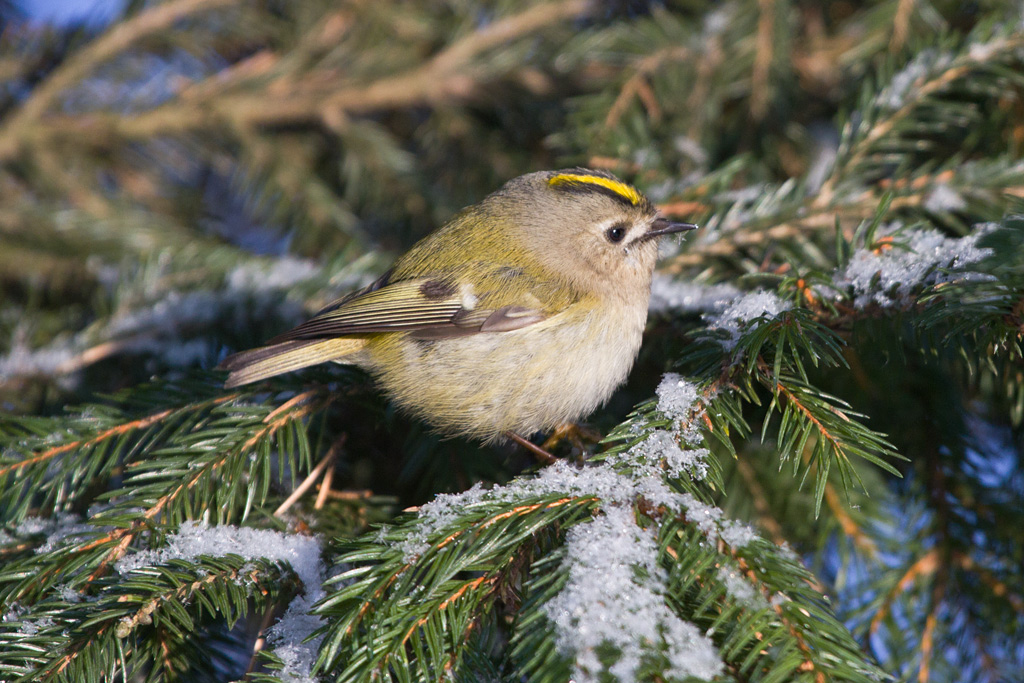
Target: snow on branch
{"type": "Point", "coordinates": [302, 553]}
{"type": "Point", "coordinates": [615, 596]}
{"type": "Point", "coordinates": [162, 325]}
{"type": "Point", "coordinates": [900, 264]}
{"type": "Point", "coordinates": [907, 261]}
{"type": "Point", "coordinates": [615, 591]}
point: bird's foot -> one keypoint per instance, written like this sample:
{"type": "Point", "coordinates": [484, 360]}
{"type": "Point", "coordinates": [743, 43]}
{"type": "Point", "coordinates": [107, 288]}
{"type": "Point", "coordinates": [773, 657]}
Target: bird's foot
{"type": "Point", "coordinates": [580, 437]}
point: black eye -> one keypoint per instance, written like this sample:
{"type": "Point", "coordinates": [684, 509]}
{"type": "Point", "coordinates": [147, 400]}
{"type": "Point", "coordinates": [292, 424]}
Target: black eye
{"type": "Point", "coordinates": [616, 233]}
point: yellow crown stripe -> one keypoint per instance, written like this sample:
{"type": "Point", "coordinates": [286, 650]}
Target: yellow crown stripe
{"type": "Point", "coordinates": [618, 187]}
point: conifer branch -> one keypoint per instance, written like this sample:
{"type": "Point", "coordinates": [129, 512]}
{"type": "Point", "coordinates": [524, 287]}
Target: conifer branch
{"type": "Point", "coordinates": [113, 43]}
{"type": "Point", "coordinates": [786, 213]}
{"type": "Point", "coordinates": [853, 278]}
{"type": "Point", "coordinates": [441, 79]}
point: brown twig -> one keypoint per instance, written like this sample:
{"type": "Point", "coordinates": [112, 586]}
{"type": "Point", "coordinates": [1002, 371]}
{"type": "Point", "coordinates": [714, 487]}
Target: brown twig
{"type": "Point", "coordinates": [901, 25]}
{"type": "Point", "coordinates": [110, 44]}
{"type": "Point", "coordinates": [637, 85]}
{"type": "Point", "coordinates": [325, 489]}
{"type": "Point", "coordinates": [998, 587]}
{"type": "Point", "coordinates": [682, 209]}
{"type": "Point", "coordinates": [930, 622]}
{"type": "Point", "coordinates": [852, 530]}
{"type": "Point", "coordinates": [314, 474]}
{"type": "Point", "coordinates": [361, 494]}
{"type": "Point", "coordinates": [925, 565]}
{"type": "Point", "coordinates": [764, 511]}
{"type": "Point", "coordinates": [708, 64]}
{"type": "Point", "coordinates": [261, 639]}
{"type": "Point", "coordinates": [447, 76]}
{"type": "Point", "coordinates": [763, 57]}
{"type": "Point", "coordinates": [612, 164]}
{"type": "Point", "coordinates": [506, 30]}
{"type": "Point", "coordinates": [257, 65]}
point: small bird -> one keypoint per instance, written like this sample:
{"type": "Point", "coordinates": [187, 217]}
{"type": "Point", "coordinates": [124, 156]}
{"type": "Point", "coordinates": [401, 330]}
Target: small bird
{"type": "Point", "coordinates": [523, 313]}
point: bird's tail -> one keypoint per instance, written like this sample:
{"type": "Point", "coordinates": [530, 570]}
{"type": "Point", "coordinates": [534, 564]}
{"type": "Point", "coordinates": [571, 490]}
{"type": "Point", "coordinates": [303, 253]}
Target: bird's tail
{"type": "Point", "coordinates": [256, 364]}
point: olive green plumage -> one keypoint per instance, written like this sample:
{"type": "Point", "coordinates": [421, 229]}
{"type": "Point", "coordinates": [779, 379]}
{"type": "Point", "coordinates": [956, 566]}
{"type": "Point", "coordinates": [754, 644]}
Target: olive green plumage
{"type": "Point", "coordinates": [524, 312]}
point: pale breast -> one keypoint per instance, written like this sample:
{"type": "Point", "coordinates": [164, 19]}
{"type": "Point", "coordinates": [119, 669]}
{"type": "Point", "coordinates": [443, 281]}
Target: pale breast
{"type": "Point", "coordinates": [526, 380]}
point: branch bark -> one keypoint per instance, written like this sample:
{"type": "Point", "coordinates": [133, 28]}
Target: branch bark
{"type": "Point", "coordinates": [447, 76]}
{"type": "Point", "coordinates": [107, 46]}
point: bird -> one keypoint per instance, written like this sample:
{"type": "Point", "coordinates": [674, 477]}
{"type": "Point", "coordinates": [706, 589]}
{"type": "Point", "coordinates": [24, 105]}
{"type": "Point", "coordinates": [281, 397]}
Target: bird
{"type": "Point", "coordinates": [522, 314]}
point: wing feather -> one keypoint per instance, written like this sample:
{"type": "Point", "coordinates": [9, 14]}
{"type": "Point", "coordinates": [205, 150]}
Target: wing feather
{"type": "Point", "coordinates": [425, 307]}
{"type": "Point", "coordinates": [394, 307]}
{"type": "Point", "coordinates": [433, 307]}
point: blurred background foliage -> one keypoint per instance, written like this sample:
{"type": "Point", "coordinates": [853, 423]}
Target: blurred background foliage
{"type": "Point", "coordinates": [193, 176]}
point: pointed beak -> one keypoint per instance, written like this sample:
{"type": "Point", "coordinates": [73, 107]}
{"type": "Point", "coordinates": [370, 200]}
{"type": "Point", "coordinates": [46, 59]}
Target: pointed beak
{"type": "Point", "coordinates": [663, 226]}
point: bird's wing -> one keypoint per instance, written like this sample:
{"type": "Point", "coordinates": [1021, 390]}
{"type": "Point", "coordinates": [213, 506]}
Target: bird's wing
{"type": "Point", "coordinates": [428, 308]}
